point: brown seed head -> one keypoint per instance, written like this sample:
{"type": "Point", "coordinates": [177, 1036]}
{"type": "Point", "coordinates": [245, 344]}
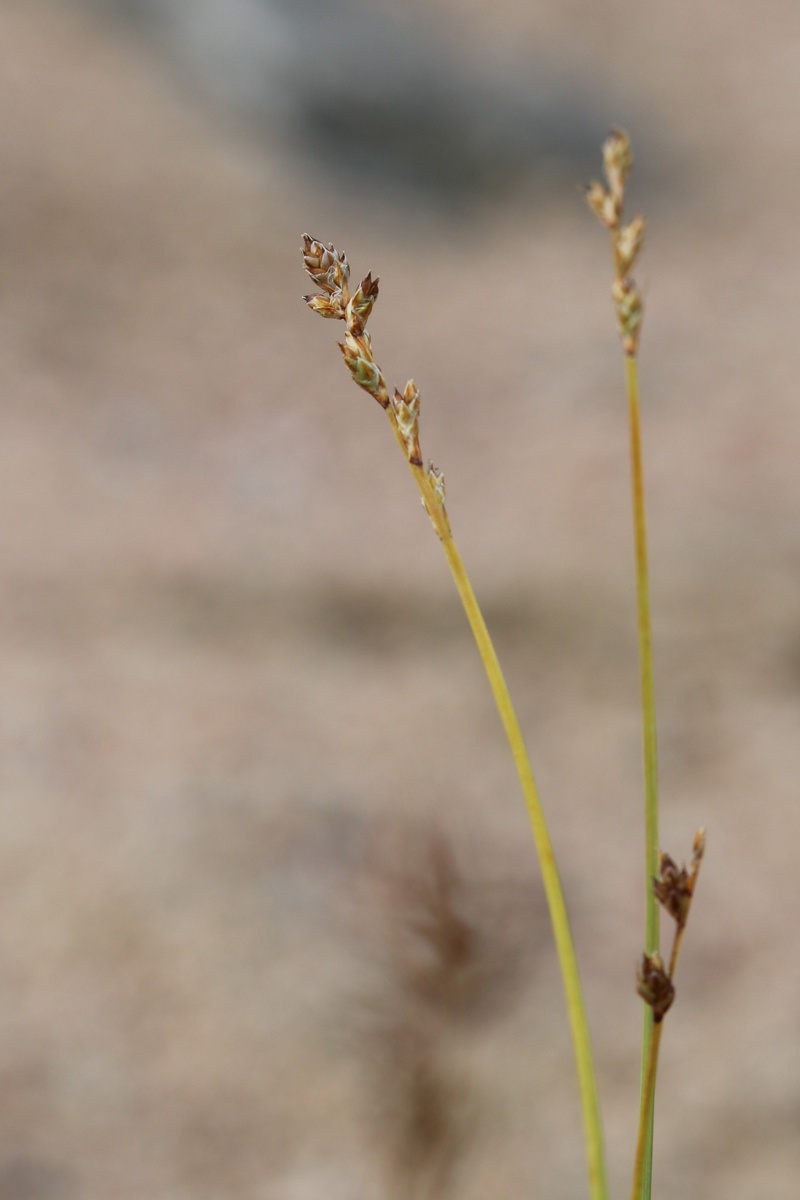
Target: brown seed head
{"type": "Point", "coordinates": [654, 985]}
{"type": "Point", "coordinates": [673, 889]}
{"type": "Point", "coordinates": [327, 266]}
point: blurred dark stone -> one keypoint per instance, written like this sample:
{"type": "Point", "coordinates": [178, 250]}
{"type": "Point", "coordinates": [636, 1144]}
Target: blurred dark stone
{"type": "Point", "coordinates": [380, 96]}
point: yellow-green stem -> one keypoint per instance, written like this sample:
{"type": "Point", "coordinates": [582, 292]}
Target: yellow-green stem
{"type": "Point", "coordinates": [644, 1143]}
{"type": "Point", "coordinates": [565, 947]}
{"type": "Point", "coordinates": [644, 1173]}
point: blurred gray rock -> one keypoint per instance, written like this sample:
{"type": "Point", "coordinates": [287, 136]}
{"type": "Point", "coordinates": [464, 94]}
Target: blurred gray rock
{"type": "Point", "coordinates": [378, 94]}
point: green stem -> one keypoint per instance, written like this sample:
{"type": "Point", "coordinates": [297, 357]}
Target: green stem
{"type": "Point", "coordinates": [562, 934]}
{"type": "Point", "coordinates": [644, 1144]}
{"type": "Point", "coordinates": [650, 767]}
{"type": "Point", "coordinates": [552, 884]}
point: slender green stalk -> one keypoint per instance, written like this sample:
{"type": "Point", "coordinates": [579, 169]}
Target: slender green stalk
{"type": "Point", "coordinates": [649, 1059]}
{"type": "Point", "coordinates": [562, 934]}
{"type": "Point", "coordinates": [552, 884]}
{"type": "Point", "coordinates": [643, 1163]}
{"type": "Point", "coordinates": [646, 659]}
{"type": "Point", "coordinates": [607, 203]}
{"type": "Point", "coordinates": [565, 947]}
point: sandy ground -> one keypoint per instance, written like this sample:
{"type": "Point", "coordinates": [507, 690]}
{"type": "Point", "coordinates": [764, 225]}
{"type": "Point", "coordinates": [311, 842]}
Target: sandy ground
{"type": "Point", "coordinates": [231, 653]}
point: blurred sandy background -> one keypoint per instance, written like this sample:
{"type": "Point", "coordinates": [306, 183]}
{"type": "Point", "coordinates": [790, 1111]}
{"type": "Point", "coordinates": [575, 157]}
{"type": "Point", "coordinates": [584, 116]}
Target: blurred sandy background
{"type": "Point", "coordinates": [231, 651]}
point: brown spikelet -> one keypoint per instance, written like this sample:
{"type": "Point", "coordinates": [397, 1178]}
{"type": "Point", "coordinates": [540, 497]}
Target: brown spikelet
{"type": "Point", "coordinates": [326, 265]}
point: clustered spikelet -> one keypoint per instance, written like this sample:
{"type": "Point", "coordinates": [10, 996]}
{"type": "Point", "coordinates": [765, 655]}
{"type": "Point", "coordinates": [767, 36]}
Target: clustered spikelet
{"type": "Point", "coordinates": [654, 985]}
{"type": "Point", "coordinates": [607, 203]}
{"type": "Point", "coordinates": [675, 885]}
{"type": "Point", "coordinates": [674, 888]}
{"type": "Point", "coordinates": [328, 268]}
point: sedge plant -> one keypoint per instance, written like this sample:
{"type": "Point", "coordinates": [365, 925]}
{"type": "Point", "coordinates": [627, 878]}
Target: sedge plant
{"type": "Point", "coordinates": [666, 884]}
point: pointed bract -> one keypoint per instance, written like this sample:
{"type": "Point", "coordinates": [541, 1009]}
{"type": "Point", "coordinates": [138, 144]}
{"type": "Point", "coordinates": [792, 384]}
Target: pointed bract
{"type": "Point", "coordinates": [436, 480]}
{"type": "Point", "coordinates": [406, 409]}
{"type": "Point", "coordinates": [361, 304]}
{"type": "Point", "coordinates": [602, 204]}
{"type": "Point", "coordinates": [629, 243]}
{"type": "Point", "coordinates": [357, 353]}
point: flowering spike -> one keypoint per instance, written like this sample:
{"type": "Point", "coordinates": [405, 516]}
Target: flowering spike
{"type": "Point", "coordinates": [674, 886]}
{"type": "Point", "coordinates": [325, 265]}
{"type": "Point", "coordinates": [673, 889]}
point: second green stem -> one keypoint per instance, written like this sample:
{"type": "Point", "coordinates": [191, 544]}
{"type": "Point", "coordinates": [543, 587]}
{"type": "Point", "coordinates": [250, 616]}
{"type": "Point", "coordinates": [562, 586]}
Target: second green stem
{"type": "Point", "coordinates": [649, 747]}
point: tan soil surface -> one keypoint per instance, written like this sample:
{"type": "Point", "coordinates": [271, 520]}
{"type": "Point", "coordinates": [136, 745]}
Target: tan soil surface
{"type": "Point", "coordinates": [231, 651]}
